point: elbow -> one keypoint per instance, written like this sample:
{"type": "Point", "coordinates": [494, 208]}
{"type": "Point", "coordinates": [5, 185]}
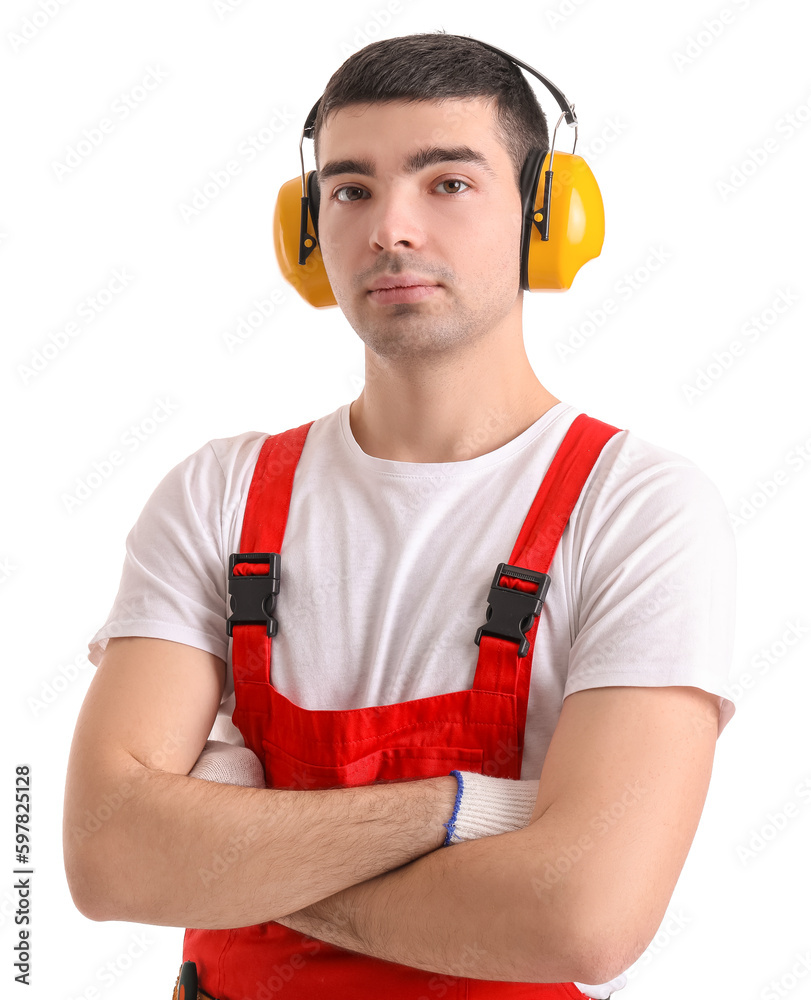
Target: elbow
{"type": "Point", "coordinates": [597, 969]}
{"type": "Point", "coordinates": [580, 944]}
{"type": "Point", "coordinates": [600, 954]}
{"type": "Point", "coordinates": [91, 880]}
{"type": "Point", "coordinates": [97, 838]}
{"type": "Point", "coordinates": [84, 892]}
{"type": "Point", "coordinates": [90, 890]}
{"type": "Point", "coordinates": [595, 963]}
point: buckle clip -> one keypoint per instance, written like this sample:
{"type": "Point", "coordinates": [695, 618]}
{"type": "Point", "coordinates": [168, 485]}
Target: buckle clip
{"type": "Point", "coordinates": [253, 597]}
{"type": "Point", "coordinates": [511, 612]}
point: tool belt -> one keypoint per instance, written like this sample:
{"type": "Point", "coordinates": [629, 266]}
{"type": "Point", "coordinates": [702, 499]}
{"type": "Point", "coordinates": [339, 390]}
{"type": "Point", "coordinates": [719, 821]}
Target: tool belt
{"type": "Point", "coordinates": [186, 987]}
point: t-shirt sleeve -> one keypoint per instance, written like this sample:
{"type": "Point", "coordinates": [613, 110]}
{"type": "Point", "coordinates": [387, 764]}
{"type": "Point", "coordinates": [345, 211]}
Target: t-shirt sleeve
{"type": "Point", "coordinates": [173, 582]}
{"type": "Point", "coordinates": [655, 589]}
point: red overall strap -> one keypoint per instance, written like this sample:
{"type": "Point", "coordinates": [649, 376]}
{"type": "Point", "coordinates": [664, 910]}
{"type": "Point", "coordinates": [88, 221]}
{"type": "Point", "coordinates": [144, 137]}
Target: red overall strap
{"type": "Point", "coordinates": [559, 492]}
{"type": "Point", "coordinates": [263, 526]}
{"type": "Point", "coordinates": [268, 502]}
{"type": "Point", "coordinates": [535, 547]}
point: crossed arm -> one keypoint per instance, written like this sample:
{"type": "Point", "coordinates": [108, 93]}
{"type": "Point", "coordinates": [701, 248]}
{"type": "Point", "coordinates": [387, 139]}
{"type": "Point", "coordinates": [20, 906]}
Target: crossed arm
{"type": "Point", "coordinates": [575, 896]}
{"type": "Point", "coordinates": [620, 797]}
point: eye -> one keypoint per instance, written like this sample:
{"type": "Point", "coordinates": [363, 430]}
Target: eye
{"type": "Point", "coordinates": [454, 180]}
{"type": "Point", "coordinates": [347, 187]}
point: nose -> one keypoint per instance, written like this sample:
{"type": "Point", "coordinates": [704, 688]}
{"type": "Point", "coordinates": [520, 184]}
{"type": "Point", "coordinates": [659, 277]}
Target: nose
{"type": "Point", "coordinates": [395, 220]}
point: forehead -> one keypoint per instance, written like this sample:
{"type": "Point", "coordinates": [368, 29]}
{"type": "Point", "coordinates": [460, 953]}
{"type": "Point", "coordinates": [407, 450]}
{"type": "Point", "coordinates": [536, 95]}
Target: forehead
{"type": "Point", "coordinates": [400, 132]}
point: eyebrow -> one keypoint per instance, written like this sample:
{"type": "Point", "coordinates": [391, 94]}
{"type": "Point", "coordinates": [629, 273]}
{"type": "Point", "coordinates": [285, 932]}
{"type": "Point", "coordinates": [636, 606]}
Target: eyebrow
{"type": "Point", "coordinates": [426, 157]}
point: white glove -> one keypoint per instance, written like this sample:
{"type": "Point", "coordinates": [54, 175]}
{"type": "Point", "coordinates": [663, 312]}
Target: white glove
{"type": "Point", "coordinates": [229, 765]}
{"type": "Point", "coordinates": [489, 806]}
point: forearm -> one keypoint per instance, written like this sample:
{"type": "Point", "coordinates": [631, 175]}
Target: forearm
{"type": "Point", "coordinates": [468, 910]}
{"type": "Point", "coordinates": [182, 852]}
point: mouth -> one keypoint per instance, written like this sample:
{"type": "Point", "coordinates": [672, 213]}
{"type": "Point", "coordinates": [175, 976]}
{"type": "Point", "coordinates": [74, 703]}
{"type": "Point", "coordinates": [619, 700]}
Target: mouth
{"type": "Point", "coordinates": [403, 293]}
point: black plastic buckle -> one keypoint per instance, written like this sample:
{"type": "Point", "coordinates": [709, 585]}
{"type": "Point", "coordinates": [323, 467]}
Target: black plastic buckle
{"type": "Point", "coordinates": [253, 598]}
{"type": "Point", "coordinates": [511, 612]}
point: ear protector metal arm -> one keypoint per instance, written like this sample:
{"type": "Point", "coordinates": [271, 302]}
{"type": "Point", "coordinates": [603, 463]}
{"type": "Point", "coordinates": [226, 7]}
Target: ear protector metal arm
{"type": "Point", "coordinates": [557, 93]}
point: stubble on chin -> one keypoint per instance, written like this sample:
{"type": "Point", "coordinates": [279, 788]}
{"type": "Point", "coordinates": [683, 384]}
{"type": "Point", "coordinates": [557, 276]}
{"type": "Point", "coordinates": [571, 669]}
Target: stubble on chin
{"type": "Point", "coordinates": [410, 333]}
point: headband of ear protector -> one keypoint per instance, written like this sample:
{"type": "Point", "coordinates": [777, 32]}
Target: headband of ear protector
{"type": "Point", "coordinates": [563, 224]}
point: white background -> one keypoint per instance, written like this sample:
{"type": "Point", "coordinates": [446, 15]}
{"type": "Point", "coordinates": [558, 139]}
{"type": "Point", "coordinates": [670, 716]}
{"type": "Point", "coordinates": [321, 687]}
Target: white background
{"type": "Point", "coordinates": [670, 110]}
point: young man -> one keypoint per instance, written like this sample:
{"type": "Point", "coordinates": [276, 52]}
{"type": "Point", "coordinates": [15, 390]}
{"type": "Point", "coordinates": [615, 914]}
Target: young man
{"type": "Point", "coordinates": [395, 510]}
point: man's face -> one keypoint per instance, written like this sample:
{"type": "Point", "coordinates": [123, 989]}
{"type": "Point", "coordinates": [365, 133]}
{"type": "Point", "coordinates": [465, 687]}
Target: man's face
{"type": "Point", "coordinates": [393, 205]}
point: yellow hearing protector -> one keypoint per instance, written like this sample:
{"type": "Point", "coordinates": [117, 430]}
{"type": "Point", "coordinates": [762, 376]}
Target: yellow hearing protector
{"type": "Point", "coordinates": [550, 255]}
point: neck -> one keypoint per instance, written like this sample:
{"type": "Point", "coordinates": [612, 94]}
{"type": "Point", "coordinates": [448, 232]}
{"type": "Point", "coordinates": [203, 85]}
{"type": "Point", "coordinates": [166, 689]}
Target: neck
{"type": "Point", "coordinates": [449, 408]}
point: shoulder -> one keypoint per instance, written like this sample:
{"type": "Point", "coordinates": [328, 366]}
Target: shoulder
{"type": "Point", "coordinates": [194, 494]}
{"type": "Point", "coordinates": [648, 516]}
{"type": "Point", "coordinates": [220, 470]}
{"type": "Point", "coordinates": [635, 478]}
{"type": "Point", "coordinates": [215, 463]}
{"type": "Point", "coordinates": [233, 457]}
{"type": "Point", "coordinates": [225, 454]}
{"type": "Point", "coordinates": [238, 454]}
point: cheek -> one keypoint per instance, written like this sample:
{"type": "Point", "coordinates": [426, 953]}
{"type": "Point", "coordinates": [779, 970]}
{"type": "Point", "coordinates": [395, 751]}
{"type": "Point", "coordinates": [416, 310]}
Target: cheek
{"type": "Point", "coordinates": [333, 253]}
{"type": "Point", "coordinates": [501, 229]}
{"type": "Point", "coordinates": [331, 235]}
{"type": "Point", "coordinates": [343, 240]}
{"type": "Point", "coordinates": [496, 248]}
{"type": "Point", "coordinates": [337, 261]}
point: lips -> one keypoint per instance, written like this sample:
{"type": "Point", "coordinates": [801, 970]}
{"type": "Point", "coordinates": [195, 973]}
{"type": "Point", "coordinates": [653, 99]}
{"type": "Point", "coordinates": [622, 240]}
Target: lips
{"type": "Point", "coordinates": [403, 293]}
{"type": "Point", "coordinates": [400, 281]}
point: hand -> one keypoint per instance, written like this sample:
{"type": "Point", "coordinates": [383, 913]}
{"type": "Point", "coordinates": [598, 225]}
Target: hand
{"type": "Point", "coordinates": [229, 765]}
{"type": "Point", "coordinates": [492, 805]}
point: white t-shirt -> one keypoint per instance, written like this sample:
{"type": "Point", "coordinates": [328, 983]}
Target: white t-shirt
{"type": "Point", "coordinates": [386, 568]}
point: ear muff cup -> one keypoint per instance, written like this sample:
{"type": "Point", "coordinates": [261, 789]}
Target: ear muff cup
{"type": "Point", "coordinates": [309, 279]}
{"type": "Point", "coordinates": [576, 220]}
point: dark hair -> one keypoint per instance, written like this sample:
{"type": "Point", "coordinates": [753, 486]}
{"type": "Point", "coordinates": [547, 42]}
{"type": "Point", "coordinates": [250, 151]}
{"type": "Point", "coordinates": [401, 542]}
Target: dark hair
{"type": "Point", "coordinates": [430, 67]}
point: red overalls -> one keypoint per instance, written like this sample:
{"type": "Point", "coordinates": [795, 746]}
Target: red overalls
{"type": "Point", "coordinates": [472, 730]}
